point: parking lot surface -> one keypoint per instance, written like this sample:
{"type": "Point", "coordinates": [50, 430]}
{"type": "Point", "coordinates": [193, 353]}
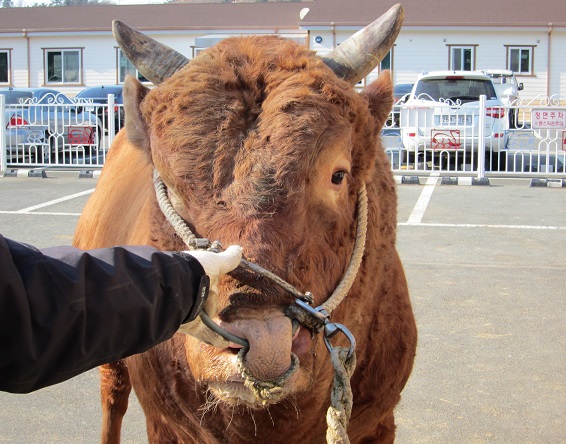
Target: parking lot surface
{"type": "Point", "coordinates": [487, 272]}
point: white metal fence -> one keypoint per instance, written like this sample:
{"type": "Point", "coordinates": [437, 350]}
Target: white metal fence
{"type": "Point", "coordinates": [55, 131]}
{"type": "Point", "coordinates": [526, 138]}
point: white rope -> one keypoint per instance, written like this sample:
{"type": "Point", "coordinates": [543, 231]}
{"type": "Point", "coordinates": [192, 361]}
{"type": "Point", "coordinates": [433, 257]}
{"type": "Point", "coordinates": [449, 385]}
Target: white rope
{"type": "Point", "coordinates": [341, 398]}
{"type": "Point", "coordinates": [339, 293]}
{"type": "Point", "coordinates": [265, 391]}
{"type": "Point", "coordinates": [349, 277]}
{"type": "Point", "coordinates": [180, 226]}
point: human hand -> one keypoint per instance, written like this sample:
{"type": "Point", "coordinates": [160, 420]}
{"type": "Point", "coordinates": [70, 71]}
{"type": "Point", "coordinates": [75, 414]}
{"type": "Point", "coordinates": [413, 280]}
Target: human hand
{"type": "Point", "coordinates": [215, 265]}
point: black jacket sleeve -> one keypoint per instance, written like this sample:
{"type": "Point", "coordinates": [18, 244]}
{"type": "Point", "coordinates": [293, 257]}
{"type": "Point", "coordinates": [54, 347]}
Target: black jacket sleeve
{"type": "Point", "coordinates": [64, 311]}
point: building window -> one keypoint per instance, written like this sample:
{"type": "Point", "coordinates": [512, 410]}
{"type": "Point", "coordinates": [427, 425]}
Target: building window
{"type": "Point", "coordinates": [462, 58]}
{"type": "Point", "coordinates": [63, 66]}
{"type": "Point", "coordinates": [125, 67]}
{"type": "Point", "coordinates": [197, 50]}
{"type": "Point", "coordinates": [4, 66]}
{"type": "Point", "coordinates": [386, 62]}
{"type": "Point", "coordinates": [520, 59]}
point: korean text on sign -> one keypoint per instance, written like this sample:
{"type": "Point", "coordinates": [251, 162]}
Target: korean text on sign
{"type": "Point", "coordinates": [548, 118]}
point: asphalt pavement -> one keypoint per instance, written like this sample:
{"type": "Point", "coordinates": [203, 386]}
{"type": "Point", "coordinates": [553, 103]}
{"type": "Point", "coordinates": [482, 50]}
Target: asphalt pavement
{"type": "Point", "coordinates": [486, 267]}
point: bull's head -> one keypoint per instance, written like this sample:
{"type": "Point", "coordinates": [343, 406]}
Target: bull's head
{"type": "Point", "coordinates": [264, 144]}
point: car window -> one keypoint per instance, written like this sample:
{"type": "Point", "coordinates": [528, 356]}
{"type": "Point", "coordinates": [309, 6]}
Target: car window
{"type": "Point", "coordinates": [501, 79]}
{"type": "Point", "coordinates": [92, 93]}
{"type": "Point", "coordinates": [15, 97]}
{"type": "Point", "coordinates": [455, 89]}
{"type": "Point", "coordinates": [48, 96]}
{"type": "Point", "coordinates": [509, 80]}
{"type": "Point", "coordinates": [497, 79]}
{"type": "Point", "coordinates": [403, 88]}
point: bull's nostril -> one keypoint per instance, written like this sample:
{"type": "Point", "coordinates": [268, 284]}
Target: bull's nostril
{"type": "Point", "coordinates": [234, 348]}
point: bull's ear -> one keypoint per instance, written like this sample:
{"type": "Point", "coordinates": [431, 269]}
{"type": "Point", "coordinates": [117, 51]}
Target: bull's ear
{"type": "Point", "coordinates": [136, 128]}
{"type": "Point", "coordinates": [379, 94]}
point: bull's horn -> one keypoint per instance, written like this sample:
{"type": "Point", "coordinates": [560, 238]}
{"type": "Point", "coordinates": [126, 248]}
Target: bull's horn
{"type": "Point", "coordinates": [355, 58]}
{"type": "Point", "coordinates": [155, 61]}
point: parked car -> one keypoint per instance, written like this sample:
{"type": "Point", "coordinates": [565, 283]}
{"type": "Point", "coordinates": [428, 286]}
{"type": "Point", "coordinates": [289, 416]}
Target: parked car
{"type": "Point", "coordinates": [41, 122]}
{"type": "Point", "coordinates": [400, 93]}
{"type": "Point", "coordinates": [401, 90]}
{"type": "Point", "coordinates": [22, 138]}
{"type": "Point", "coordinates": [442, 113]}
{"type": "Point", "coordinates": [98, 97]}
{"type": "Point", "coordinates": [507, 88]}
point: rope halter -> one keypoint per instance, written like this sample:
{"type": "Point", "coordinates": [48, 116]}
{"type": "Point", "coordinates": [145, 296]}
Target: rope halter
{"type": "Point", "coordinates": [315, 318]}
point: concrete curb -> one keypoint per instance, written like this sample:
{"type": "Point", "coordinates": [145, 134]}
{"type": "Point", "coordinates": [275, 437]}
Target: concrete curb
{"type": "Point", "coordinates": [44, 173]}
{"type": "Point", "coordinates": [474, 181]}
{"type": "Point", "coordinates": [445, 180]}
{"type": "Point", "coordinates": [25, 173]}
{"type": "Point", "coordinates": [89, 174]}
{"type": "Point", "coordinates": [549, 183]}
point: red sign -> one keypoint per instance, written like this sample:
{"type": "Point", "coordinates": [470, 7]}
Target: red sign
{"type": "Point", "coordinates": [445, 139]}
{"type": "Point", "coordinates": [81, 136]}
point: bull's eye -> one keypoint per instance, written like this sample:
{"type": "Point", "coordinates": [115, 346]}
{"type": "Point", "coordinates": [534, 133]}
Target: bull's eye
{"type": "Point", "coordinates": [338, 177]}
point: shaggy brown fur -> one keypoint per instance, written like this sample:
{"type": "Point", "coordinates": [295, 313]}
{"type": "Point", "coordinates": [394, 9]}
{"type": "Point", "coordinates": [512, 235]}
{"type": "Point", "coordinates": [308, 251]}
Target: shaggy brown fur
{"type": "Point", "coordinates": [253, 136]}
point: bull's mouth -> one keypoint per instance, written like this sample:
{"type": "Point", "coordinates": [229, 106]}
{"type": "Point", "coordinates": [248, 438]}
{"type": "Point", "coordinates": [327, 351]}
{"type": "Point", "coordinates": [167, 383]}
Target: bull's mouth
{"type": "Point", "coordinates": [249, 391]}
{"type": "Point", "coordinates": [236, 393]}
{"type": "Point", "coordinates": [253, 380]}
{"type": "Point", "coordinates": [244, 389]}
{"type": "Point", "coordinates": [233, 392]}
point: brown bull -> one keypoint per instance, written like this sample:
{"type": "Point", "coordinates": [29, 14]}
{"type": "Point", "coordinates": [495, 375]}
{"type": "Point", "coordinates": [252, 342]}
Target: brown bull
{"type": "Point", "coordinates": [261, 143]}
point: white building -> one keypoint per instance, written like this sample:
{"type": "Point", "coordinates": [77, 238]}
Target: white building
{"type": "Point", "coordinates": [68, 48]}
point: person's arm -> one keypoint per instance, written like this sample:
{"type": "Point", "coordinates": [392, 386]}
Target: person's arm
{"type": "Point", "coordinates": [64, 311]}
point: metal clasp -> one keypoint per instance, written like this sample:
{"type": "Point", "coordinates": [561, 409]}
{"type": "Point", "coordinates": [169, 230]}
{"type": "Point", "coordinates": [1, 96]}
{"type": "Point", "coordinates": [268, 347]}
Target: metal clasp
{"type": "Point", "coordinates": [331, 329]}
{"type": "Point", "coordinates": [318, 315]}
{"type": "Point", "coordinates": [203, 243]}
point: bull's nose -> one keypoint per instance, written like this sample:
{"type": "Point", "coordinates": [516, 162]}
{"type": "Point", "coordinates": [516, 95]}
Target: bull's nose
{"type": "Point", "coordinates": [269, 333]}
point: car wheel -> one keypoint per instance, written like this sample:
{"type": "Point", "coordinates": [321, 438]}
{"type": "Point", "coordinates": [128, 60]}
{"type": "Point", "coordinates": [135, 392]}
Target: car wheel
{"type": "Point", "coordinates": [409, 157]}
{"type": "Point", "coordinates": [496, 161]}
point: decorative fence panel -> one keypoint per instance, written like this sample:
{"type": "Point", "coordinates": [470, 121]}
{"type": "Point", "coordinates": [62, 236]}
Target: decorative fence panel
{"type": "Point", "coordinates": [55, 132]}
{"type": "Point", "coordinates": [528, 138]}
{"type": "Point", "coordinates": [447, 139]}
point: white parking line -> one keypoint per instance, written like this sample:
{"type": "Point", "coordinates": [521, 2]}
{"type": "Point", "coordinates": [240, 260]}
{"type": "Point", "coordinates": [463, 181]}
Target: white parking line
{"type": "Point", "coordinates": [500, 226]}
{"type": "Point", "coordinates": [41, 213]}
{"type": "Point", "coordinates": [53, 202]}
{"type": "Point", "coordinates": [490, 264]}
{"type": "Point", "coordinates": [415, 218]}
{"type": "Point", "coordinates": [400, 224]}
{"type": "Point", "coordinates": [419, 209]}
